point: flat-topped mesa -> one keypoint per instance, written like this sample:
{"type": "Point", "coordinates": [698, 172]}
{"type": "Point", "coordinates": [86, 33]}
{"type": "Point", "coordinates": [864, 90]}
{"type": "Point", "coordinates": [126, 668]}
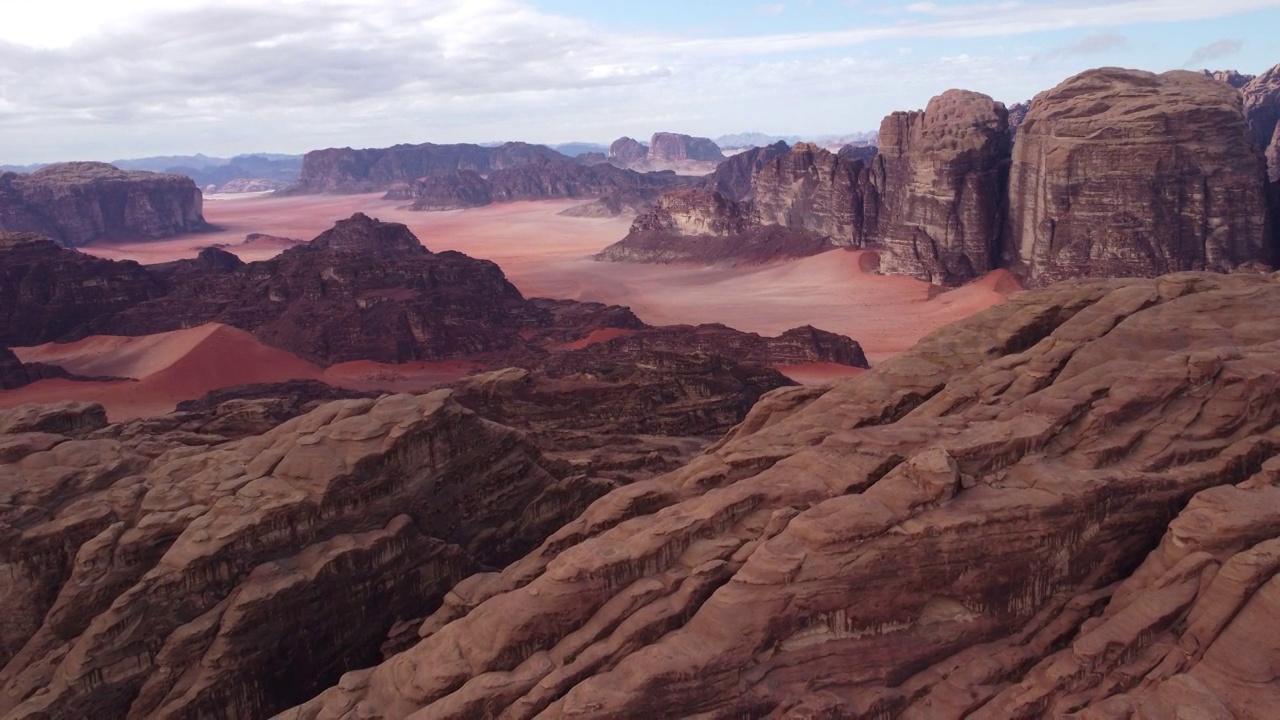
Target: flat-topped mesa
{"type": "Point", "coordinates": [674, 147]}
{"type": "Point", "coordinates": [942, 175]}
{"type": "Point", "coordinates": [346, 170]}
{"type": "Point", "coordinates": [78, 203]}
{"type": "Point", "coordinates": [1123, 173]}
{"type": "Point", "coordinates": [815, 189]}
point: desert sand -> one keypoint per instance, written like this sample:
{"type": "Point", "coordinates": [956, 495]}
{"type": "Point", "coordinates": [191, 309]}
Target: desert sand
{"type": "Point", "coordinates": [548, 255]}
{"type": "Point", "coordinates": [543, 253]}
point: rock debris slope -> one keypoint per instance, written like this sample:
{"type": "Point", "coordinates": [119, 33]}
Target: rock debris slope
{"type": "Point", "coordinates": [1064, 504]}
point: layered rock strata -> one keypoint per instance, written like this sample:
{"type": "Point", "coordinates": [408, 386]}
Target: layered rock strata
{"type": "Point", "coordinates": [1120, 173]}
{"type": "Point", "coordinates": [82, 202]}
{"type": "Point", "coordinates": [942, 174]}
{"type": "Point", "coordinates": [974, 529]}
{"type": "Point", "coordinates": [666, 147]}
{"type": "Point", "coordinates": [345, 170]}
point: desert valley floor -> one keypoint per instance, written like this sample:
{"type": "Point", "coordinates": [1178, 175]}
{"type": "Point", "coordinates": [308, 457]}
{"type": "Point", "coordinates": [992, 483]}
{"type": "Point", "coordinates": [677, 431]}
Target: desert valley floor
{"type": "Point", "coordinates": [544, 253]}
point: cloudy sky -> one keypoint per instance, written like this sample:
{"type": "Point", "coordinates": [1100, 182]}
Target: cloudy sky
{"type": "Point", "coordinates": [87, 79]}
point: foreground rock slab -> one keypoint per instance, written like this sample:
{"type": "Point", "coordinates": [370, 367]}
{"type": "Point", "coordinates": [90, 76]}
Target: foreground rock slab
{"type": "Point", "coordinates": [1064, 504]}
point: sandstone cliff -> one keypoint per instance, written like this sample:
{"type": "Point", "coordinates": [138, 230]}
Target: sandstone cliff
{"type": "Point", "coordinates": [733, 178]}
{"type": "Point", "coordinates": [973, 529]}
{"type": "Point", "coordinates": [1125, 173]}
{"type": "Point", "coordinates": [1262, 110]}
{"type": "Point", "coordinates": [815, 189]}
{"type": "Point", "coordinates": [344, 170]}
{"type": "Point", "coordinates": [666, 147]}
{"type": "Point", "coordinates": [942, 175]}
{"type": "Point", "coordinates": [699, 225]}
{"type": "Point", "coordinates": [78, 203]}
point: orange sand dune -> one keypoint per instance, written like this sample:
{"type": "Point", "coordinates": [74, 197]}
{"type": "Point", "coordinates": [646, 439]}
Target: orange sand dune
{"type": "Point", "coordinates": [168, 368]}
{"type": "Point", "coordinates": [546, 254]}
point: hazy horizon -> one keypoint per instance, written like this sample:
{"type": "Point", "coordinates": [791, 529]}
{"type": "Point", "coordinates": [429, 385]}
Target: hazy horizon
{"type": "Point", "coordinates": [140, 78]}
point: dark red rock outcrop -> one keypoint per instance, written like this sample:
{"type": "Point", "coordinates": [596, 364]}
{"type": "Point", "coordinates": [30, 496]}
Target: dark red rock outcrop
{"type": "Point", "coordinates": [733, 177]}
{"type": "Point", "coordinates": [80, 202]}
{"type": "Point", "coordinates": [942, 175]}
{"type": "Point", "coordinates": [49, 293]}
{"type": "Point", "coordinates": [1017, 114]}
{"type": "Point", "coordinates": [344, 170]}
{"type": "Point", "coordinates": [461, 189]}
{"type": "Point", "coordinates": [973, 529]}
{"type": "Point", "coordinates": [865, 153]}
{"type": "Point", "coordinates": [626, 151]}
{"type": "Point", "coordinates": [1233, 78]}
{"type": "Point", "coordinates": [1121, 173]}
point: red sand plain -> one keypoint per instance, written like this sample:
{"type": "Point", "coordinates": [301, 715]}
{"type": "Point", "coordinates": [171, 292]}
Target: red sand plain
{"type": "Point", "coordinates": [544, 254]}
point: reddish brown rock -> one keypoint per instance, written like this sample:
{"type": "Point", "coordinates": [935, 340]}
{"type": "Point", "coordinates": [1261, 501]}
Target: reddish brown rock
{"type": "Point", "coordinates": [942, 175]}
{"type": "Point", "coordinates": [1233, 78]}
{"type": "Point", "coordinates": [814, 189]}
{"type": "Point", "coordinates": [81, 202]}
{"type": "Point", "coordinates": [666, 147]}
{"type": "Point", "coordinates": [626, 151]}
{"type": "Point", "coordinates": [699, 225]}
{"type": "Point", "coordinates": [344, 170]}
{"type": "Point", "coordinates": [1262, 105]}
{"type": "Point", "coordinates": [733, 178]}
{"type": "Point", "coordinates": [1124, 173]}
{"type": "Point", "coordinates": [920, 541]}
{"type": "Point", "coordinates": [461, 189]}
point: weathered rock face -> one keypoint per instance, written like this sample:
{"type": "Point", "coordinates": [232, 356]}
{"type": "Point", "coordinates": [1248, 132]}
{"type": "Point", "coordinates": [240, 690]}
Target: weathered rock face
{"type": "Point", "coordinates": [1262, 110]}
{"type": "Point", "coordinates": [627, 150]}
{"type": "Point", "coordinates": [698, 225]}
{"type": "Point", "coordinates": [252, 571]}
{"type": "Point", "coordinates": [1233, 78]}
{"type": "Point", "coordinates": [538, 179]}
{"type": "Point", "coordinates": [1017, 114]}
{"type": "Point", "coordinates": [865, 153]}
{"type": "Point", "coordinates": [49, 293]}
{"type": "Point", "coordinates": [461, 189]}
{"type": "Point", "coordinates": [733, 177]}
{"type": "Point", "coordinates": [80, 202]}
{"type": "Point", "coordinates": [344, 170]}
{"type": "Point", "coordinates": [12, 373]}
{"type": "Point", "coordinates": [674, 147]}
{"type": "Point", "coordinates": [921, 541]}
{"type": "Point", "coordinates": [1121, 173]}
{"type": "Point", "coordinates": [942, 175]}
{"type": "Point", "coordinates": [814, 189]}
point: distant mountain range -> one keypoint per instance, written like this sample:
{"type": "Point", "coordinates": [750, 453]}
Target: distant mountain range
{"type": "Point", "coordinates": [253, 171]}
{"type": "Point", "coordinates": [758, 139]}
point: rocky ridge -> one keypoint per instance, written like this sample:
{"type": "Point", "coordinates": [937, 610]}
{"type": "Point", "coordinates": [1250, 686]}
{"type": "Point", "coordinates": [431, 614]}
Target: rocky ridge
{"type": "Point", "coordinates": [345, 170]}
{"type": "Point", "coordinates": [989, 525]}
{"type": "Point", "coordinates": [82, 202]}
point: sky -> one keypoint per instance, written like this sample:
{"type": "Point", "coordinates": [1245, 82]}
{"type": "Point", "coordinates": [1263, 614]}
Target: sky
{"type": "Point", "coordinates": [94, 80]}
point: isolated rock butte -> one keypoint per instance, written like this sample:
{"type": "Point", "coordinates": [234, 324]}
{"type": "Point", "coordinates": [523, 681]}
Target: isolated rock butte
{"type": "Point", "coordinates": [942, 175]}
{"type": "Point", "coordinates": [627, 150]}
{"type": "Point", "coordinates": [921, 541]}
{"type": "Point", "coordinates": [1120, 173]}
{"type": "Point", "coordinates": [665, 147]}
{"type": "Point", "coordinates": [80, 202]}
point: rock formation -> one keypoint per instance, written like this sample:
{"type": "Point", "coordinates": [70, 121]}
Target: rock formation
{"type": "Point", "coordinates": [973, 529]}
{"type": "Point", "coordinates": [344, 170]}
{"type": "Point", "coordinates": [702, 226]}
{"type": "Point", "coordinates": [81, 202]}
{"type": "Point", "coordinates": [50, 293]}
{"type": "Point", "coordinates": [942, 175]}
{"type": "Point", "coordinates": [539, 179]}
{"type": "Point", "coordinates": [1233, 78]}
{"type": "Point", "coordinates": [733, 177]}
{"type": "Point", "coordinates": [815, 189]}
{"type": "Point", "coordinates": [1262, 110]}
{"type": "Point", "coordinates": [865, 153]}
{"type": "Point", "coordinates": [667, 147]}
{"type": "Point", "coordinates": [1120, 173]}
{"type": "Point", "coordinates": [626, 151]}
{"type": "Point", "coordinates": [1017, 114]}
